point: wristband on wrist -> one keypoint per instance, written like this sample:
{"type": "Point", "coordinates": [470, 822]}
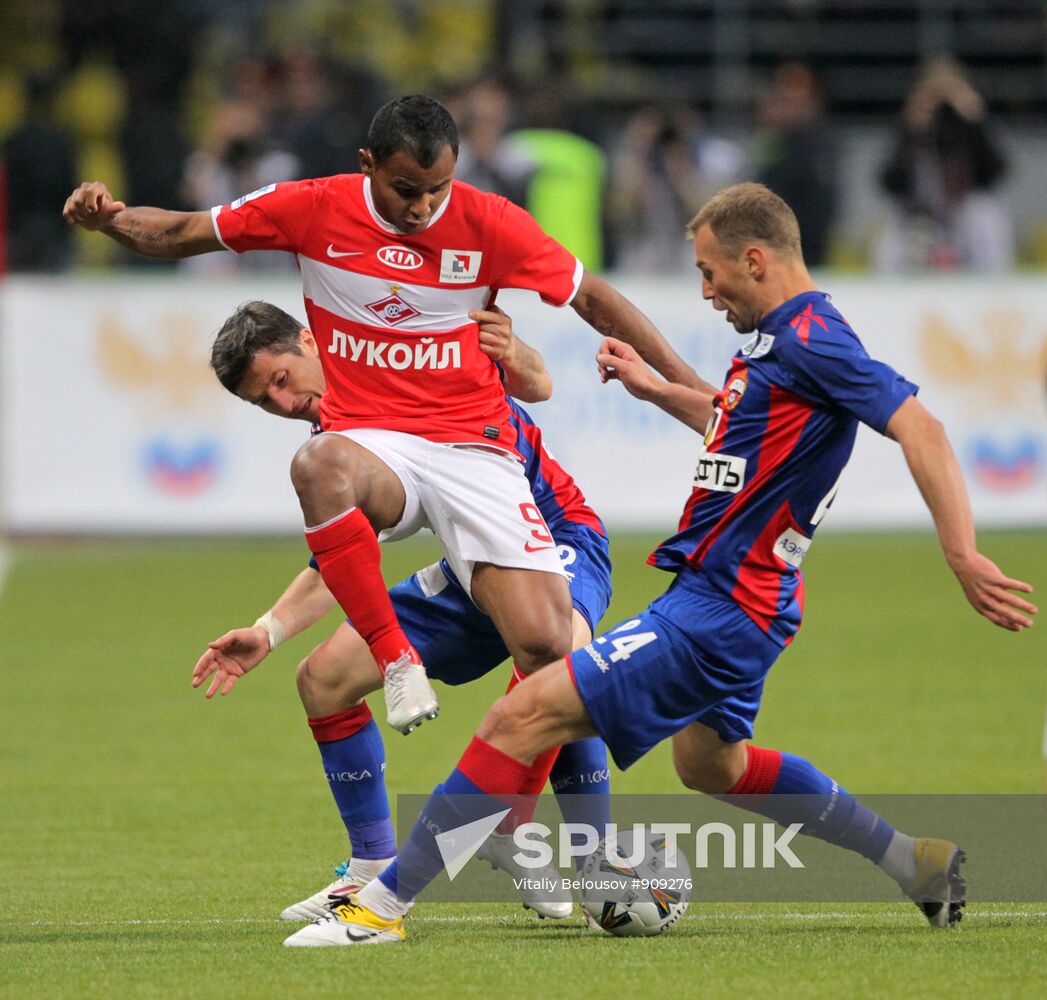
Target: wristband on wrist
{"type": "Point", "coordinates": [274, 629]}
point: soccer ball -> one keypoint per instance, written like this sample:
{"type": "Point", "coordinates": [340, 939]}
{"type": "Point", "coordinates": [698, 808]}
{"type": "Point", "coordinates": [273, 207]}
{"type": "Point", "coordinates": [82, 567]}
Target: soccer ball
{"type": "Point", "coordinates": [640, 900]}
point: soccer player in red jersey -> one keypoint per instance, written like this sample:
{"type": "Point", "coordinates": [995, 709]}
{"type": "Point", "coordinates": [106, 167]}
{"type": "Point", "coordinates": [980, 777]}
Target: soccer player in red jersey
{"type": "Point", "coordinates": [393, 260]}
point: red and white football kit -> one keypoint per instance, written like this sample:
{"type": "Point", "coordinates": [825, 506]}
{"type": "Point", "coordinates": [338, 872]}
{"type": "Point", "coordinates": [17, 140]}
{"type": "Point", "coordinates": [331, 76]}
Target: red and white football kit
{"type": "Point", "coordinates": [389, 312]}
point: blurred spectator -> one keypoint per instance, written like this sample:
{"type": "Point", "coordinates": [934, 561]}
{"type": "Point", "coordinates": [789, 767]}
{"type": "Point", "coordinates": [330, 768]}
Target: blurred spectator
{"type": "Point", "coordinates": [566, 191]}
{"type": "Point", "coordinates": [324, 113]}
{"type": "Point", "coordinates": [239, 155]}
{"type": "Point", "coordinates": [39, 162]}
{"type": "Point", "coordinates": [488, 159]}
{"type": "Point", "coordinates": [795, 155]}
{"type": "Point", "coordinates": [665, 167]}
{"type": "Point", "coordinates": [940, 175]}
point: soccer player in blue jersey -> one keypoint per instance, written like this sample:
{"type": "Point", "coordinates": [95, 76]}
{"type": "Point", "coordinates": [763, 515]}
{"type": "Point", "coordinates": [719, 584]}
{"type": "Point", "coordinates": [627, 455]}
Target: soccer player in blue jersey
{"type": "Point", "coordinates": [692, 665]}
{"type": "Point", "coordinates": [459, 642]}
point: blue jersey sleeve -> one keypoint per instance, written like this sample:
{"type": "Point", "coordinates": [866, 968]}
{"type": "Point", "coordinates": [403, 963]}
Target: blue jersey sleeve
{"type": "Point", "coordinates": [313, 564]}
{"type": "Point", "coordinates": [834, 369]}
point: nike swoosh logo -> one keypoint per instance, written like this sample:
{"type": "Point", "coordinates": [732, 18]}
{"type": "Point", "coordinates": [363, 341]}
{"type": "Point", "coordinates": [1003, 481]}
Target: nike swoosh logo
{"type": "Point", "coordinates": [331, 252]}
{"type": "Point", "coordinates": [357, 936]}
{"type": "Point", "coordinates": [528, 547]}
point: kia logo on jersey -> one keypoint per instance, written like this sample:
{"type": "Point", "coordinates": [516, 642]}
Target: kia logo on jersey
{"type": "Point", "coordinates": [460, 266]}
{"type": "Point", "coordinates": [400, 257]}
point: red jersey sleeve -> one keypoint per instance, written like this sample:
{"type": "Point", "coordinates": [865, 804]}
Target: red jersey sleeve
{"type": "Point", "coordinates": [275, 217]}
{"type": "Point", "coordinates": [525, 257]}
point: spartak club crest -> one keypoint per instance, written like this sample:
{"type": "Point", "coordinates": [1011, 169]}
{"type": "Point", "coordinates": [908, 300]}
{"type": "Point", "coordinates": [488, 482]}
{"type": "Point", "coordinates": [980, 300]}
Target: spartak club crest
{"type": "Point", "coordinates": [392, 310]}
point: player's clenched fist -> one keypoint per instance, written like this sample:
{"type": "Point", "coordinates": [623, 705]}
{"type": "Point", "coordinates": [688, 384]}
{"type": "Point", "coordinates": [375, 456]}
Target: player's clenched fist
{"type": "Point", "coordinates": [91, 205]}
{"type": "Point", "coordinates": [495, 332]}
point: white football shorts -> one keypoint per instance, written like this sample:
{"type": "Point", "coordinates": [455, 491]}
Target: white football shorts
{"type": "Point", "coordinates": [476, 500]}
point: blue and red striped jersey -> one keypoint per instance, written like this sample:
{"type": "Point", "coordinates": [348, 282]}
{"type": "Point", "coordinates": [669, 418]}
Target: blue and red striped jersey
{"type": "Point", "coordinates": [781, 432]}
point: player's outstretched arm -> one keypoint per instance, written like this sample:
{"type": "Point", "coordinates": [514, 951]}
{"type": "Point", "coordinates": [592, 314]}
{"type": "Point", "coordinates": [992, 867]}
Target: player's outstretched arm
{"type": "Point", "coordinates": [613, 315]}
{"type": "Point", "coordinates": [526, 376]}
{"type": "Point", "coordinates": [618, 362]}
{"type": "Point", "coordinates": [236, 653]}
{"type": "Point", "coordinates": [152, 232]}
{"type": "Point", "coordinates": [937, 473]}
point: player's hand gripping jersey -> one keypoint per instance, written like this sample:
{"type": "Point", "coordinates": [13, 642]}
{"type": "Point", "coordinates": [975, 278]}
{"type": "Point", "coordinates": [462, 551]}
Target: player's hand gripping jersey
{"type": "Point", "coordinates": [389, 310]}
{"type": "Point", "coordinates": [781, 433]}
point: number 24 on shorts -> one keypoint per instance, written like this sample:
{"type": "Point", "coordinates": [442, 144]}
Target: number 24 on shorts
{"type": "Point", "coordinates": [625, 645]}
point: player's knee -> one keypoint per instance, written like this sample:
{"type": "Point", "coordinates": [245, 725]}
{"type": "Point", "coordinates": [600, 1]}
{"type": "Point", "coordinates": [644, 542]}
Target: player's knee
{"type": "Point", "coordinates": [498, 720]}
{"type": "Point", "coordinates": [309, 683]}
{"type": "Point", "coordinates": [513, 721]}
{"type": "Point", "coordinates": [322, 465]}
{"type": "Point", "coordinates": [712, 775]}
{"type": "Point", "coordinates": [542, 646]}
{"type": "Point", "coordinates": [323, 684]}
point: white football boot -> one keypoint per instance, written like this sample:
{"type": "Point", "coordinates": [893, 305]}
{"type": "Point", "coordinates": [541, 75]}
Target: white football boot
{"type": "Point", "coordinates": [498, 851]}
{"type": "Point", "coordinates": [348, 923]}
{"type": "Point", "coordinates": [346, 884]}
{"type": "Point", "coordinates": [409, 697]}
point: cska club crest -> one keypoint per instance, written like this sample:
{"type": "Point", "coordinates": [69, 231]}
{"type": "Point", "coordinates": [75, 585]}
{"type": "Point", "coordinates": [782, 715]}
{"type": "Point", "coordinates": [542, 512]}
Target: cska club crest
{"type": "Point", "coordinates": [736, 387]}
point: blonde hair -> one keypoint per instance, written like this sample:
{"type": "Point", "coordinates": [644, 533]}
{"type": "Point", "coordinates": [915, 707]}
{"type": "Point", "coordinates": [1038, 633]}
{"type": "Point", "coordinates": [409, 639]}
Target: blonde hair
{"type": "Point", "coordinates": [749, 213]}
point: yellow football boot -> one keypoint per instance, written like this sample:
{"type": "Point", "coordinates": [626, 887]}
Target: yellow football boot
{"type": "Point", "coordinates": [348, 922]}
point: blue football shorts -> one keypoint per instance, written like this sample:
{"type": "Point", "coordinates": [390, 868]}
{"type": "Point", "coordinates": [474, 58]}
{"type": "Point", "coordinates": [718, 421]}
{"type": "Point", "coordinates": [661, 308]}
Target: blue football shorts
{"type": "Point", "coordinates": [458, 642]}
{"type": "Point", "coordinates": [692, 656]}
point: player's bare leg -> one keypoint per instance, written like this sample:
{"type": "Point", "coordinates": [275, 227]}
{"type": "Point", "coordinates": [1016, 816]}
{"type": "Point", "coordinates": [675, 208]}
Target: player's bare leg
{"type": "Point", "coordinates": [338, 674]}
{"type": "Point", "coordinates": [348, 495]}
{"type": "Point", "coordinates": [543, 712]}
{"type": "Point", "coordinates": [927, 870]}
{"type": "Point", "coordinates": [532, 611]}
{"type": "Point", "coordinates": [332, 473]}
{"type": "Point", "coordinates": [704, 762]}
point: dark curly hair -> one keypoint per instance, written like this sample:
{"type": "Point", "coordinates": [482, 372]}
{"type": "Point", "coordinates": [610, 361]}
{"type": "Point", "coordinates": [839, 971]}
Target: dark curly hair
{"type": "Point", "coordinates": [415, 124]}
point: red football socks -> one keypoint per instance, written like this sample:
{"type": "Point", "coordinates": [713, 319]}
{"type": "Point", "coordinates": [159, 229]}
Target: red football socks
{"type": "Point", "coordinates": [340, 725]}
{"type": "Point", "coordinates": [533, 783]}
{"type": "Point", "coordinates": [761, 772]}
{"type": "Point", "coordinates": [349, 558]}
{"type": "Point", "coordinates": [493, 772]}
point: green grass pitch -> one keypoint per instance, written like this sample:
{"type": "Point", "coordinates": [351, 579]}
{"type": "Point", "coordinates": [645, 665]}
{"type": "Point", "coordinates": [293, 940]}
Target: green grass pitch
{"type": "Point", "coordinates": [150, 838]}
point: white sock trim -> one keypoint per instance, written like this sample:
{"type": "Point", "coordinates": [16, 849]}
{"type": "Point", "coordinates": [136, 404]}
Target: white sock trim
{"type": "Point", "coordinates": [316, 527]}
{"type": "Point", "coordinates": [365, 870]}
{"type": "Point", "coordinates": [382, 901]}
{"type": "Point", "coordinates": [899, 860]}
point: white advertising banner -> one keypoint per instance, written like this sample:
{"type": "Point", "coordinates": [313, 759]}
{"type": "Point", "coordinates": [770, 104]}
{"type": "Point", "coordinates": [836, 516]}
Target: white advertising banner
{"type": "Point", "coordinates": [112, 421]}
